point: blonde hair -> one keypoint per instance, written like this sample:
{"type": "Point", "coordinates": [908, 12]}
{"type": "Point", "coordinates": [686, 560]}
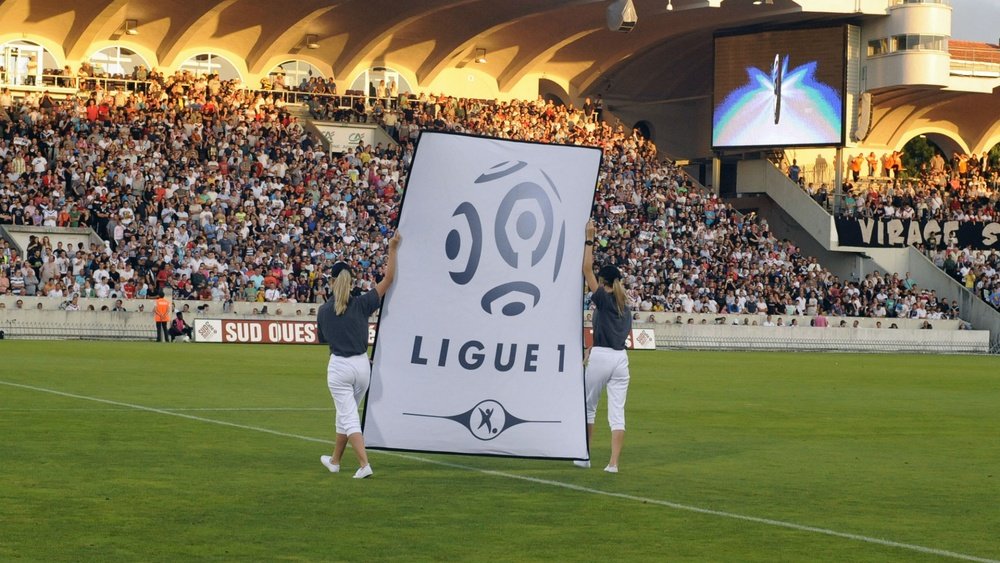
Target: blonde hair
{"type": "Point", "coordinates": [618, 291]}
{"type": "Point", "coordinates": [342, 291]}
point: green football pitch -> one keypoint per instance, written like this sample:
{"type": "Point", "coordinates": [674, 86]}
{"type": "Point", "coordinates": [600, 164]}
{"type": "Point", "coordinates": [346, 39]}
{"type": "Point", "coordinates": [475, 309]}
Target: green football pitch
{"type": "Point", "coordinates": [146, 452]}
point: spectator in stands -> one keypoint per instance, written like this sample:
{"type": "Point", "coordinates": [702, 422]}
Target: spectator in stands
{"type": "Point", "coordinates": [820, 320]}
{"type": "Point", "coordinates": [235, 174]}
{"type": "Point", "coordinates": [855, 166]}
{"type": "Point", "coordinates": [794, 171]}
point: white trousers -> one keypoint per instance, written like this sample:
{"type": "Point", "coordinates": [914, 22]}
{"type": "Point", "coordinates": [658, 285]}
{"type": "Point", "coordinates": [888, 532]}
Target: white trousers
{"type": "Point", "coordinates": [348, 379]}
{"type": "Point", "coordinates": [607, 368]}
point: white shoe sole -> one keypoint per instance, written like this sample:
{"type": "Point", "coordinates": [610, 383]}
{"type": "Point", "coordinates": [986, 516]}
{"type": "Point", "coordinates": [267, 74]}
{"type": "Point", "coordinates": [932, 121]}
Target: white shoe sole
{"type": "Point", "coordinates": [326, 461]}
{"type": "Point", "coordinates": [611, 469]}
{"type": "Point", "coordinates": [582, 464]}
{"type": "Point", "coordinates": [365, 472]}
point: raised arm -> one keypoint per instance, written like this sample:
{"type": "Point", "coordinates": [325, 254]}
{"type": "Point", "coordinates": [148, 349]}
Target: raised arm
{"type": "Point", "coordinates": [390, 269]}
{"type": "Point", "coordinates": [588, 257]}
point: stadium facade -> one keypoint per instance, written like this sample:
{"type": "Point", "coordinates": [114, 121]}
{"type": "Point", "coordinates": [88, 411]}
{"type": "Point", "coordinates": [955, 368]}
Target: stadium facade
{"type": "Point", "coordinates": [920, 80]}
{"type": "Point", "coordinates": [898, 74]}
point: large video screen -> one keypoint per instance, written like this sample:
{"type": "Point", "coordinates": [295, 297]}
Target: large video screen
{"type": "Point", "coordinates": [779, 88]}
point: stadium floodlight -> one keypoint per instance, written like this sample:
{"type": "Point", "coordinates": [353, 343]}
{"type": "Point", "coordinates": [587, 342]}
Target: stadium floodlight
{"type": "Point", "coordinates": [312, 42]}
{"type": "Point", "coordinates": [622, 16]}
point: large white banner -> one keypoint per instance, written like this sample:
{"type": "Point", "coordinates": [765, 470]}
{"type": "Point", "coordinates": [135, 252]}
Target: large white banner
{"type": "Point", "coordinates": [479, 346]}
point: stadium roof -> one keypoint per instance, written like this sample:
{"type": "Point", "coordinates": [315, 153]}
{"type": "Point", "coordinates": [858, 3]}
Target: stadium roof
{"type": "Point", "coordinates": [566, 40]}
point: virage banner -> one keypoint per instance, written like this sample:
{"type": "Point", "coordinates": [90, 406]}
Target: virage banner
{"type": "Point", "coordinates": [907, 232]}
{"type": "Point", "coordinates": [479, 346]}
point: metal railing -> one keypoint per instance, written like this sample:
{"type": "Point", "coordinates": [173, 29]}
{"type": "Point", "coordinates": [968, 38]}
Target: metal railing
{"type": "Point", "coordinates": [62, 331]}
{"type": "Point", "coordinates": [902, 2]}
{"type": "Point", "coordinates": [115, 331]}
{"type": "Point", "coordinates": [83, 85]}
{"type": "Point", "coordinates": [850, 345]}
{"type": "Point", "coordinates": [974, 60]}
{"type": "Point", "coordinates": [69, 84]}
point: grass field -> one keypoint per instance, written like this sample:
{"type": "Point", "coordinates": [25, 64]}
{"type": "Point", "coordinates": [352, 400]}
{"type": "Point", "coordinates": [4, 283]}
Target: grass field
{"type": "Point", "coordinates": [144, 452]}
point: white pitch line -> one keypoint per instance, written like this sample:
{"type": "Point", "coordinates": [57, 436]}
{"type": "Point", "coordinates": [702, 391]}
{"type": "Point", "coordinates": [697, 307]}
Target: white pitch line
{"type": "Point", "coordinates": [178, 409]}
{"type": "Point", "coordinates": [278, 409]}
{"type": "Point", "coordinates": [560, 484]}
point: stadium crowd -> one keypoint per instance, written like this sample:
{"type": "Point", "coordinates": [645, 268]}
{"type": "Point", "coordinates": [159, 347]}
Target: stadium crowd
{"type": "Point", "coordinates": [966, 188]}
{"type": "Point", "coordinates": [977, 270]}
{"type": "Point", "coordinates": [219, 194]}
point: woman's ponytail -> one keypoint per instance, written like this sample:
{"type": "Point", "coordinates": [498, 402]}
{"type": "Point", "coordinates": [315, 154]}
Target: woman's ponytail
{"type": "Point", "coordinates": [618, 290]}
{"type": "Point", "coordinates": [342, 291]}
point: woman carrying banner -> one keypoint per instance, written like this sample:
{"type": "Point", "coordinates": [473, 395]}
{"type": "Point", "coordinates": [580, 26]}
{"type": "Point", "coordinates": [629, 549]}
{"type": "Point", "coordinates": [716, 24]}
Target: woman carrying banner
{"type": "Point", "coordinates": [343, 323]}
{"type": "Point", "coordinates": [608, 361]}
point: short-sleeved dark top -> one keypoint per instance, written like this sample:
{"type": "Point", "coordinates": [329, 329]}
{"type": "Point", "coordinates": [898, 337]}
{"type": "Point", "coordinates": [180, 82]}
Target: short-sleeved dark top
{"type": "Point", "coordinates": [610, 328]}
{"type": "Point", "coordinates": [347, 334]}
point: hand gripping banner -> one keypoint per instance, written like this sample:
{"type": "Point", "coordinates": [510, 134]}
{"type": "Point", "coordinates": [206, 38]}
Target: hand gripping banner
{"type": "Point", "coordinates": [479, 345]}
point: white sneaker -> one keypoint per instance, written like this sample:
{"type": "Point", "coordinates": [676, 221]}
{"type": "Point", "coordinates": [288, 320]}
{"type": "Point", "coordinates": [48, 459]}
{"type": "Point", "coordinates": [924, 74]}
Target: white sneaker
{"type": "Point", "coordinates": [611, 469]}
{"type": "Point", "coordinates": [584, 463]}
{"type": "Point", "coordinates": [327, 461]}
{"type": "Point", "coordinates": [364, 472]}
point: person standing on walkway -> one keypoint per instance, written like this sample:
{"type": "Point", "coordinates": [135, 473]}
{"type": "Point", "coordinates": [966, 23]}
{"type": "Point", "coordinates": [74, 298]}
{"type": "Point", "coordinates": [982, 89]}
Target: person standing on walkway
{"type": "Point", "coordinates": [161, 314]}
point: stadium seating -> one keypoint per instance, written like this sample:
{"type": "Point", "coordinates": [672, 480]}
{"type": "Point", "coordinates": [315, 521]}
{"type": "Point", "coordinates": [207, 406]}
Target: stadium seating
{"type": "Point", "coordinates": [965, 188]}
{"type": "Point", "coordinates": [219, 194]}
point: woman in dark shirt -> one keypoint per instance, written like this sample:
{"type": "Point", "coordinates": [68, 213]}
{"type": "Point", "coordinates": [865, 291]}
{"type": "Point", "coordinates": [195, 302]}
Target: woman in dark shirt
{"type": "Point", "coordinates": [607, 366]}
{"type": "Point", "coordinates": [343, 324]}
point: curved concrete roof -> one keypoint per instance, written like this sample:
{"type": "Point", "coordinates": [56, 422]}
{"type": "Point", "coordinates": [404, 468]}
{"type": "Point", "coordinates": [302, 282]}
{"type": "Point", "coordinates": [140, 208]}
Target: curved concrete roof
{"type": "Point", "coordinates": [566, 40]}
{"type": "Point", "coordinates": [565, 43]}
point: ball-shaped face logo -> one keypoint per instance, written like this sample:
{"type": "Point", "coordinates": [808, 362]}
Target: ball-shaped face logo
{"type": "Point", "coordinates": [526, 239]}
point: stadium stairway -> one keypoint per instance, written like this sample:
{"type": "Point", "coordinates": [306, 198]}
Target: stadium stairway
{"type": "Point", "coordinates": [301, 112]}
{"type": "Point", "coordinates": [792, 214]}
{"type": "Point", "coordinates": [327, 131]}
{"type": "Point", "coordinates": [20, 235]}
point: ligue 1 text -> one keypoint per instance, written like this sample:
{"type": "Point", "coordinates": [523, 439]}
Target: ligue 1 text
{"type": "Point", "coordinates": [473, 354]}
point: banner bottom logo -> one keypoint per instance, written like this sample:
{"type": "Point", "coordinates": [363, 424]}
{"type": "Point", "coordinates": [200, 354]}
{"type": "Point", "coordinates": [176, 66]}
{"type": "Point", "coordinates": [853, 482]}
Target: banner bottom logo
{"type": "Point", "coordinates": [487, 420]}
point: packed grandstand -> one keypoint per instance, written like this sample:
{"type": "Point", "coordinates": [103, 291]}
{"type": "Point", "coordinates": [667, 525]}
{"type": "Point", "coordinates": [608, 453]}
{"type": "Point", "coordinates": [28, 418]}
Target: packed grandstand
{"type": "Point", "coordinates": [220, 194]}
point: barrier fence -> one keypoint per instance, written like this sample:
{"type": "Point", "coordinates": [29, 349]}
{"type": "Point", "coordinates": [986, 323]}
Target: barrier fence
{"type": "Point", "coordinates": [732, 338]}
{"type": "Point", "coordinates": [851, 345]}
{"type": "Point", "coordinates": [61, 331]}
{"type": "Point", "coordinates": [67, 86]}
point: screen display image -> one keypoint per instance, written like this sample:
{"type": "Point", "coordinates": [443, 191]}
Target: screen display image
{"type": "Point", "coordinates": [779, 88]}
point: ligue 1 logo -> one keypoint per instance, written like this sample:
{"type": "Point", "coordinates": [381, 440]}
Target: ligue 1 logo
{"type": "Point", "coordinates": [524, 226]}
{"type": "Point", "coordinates": [487, 420]}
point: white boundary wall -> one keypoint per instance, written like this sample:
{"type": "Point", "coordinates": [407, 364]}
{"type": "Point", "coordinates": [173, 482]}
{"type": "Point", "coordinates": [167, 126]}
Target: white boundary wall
{"type": "Point", "coordinates": [301, 311]}
{"type": "Point", "coordinates": [720, 337]}
{"type": "Point", "coordinates": [57, 324]}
